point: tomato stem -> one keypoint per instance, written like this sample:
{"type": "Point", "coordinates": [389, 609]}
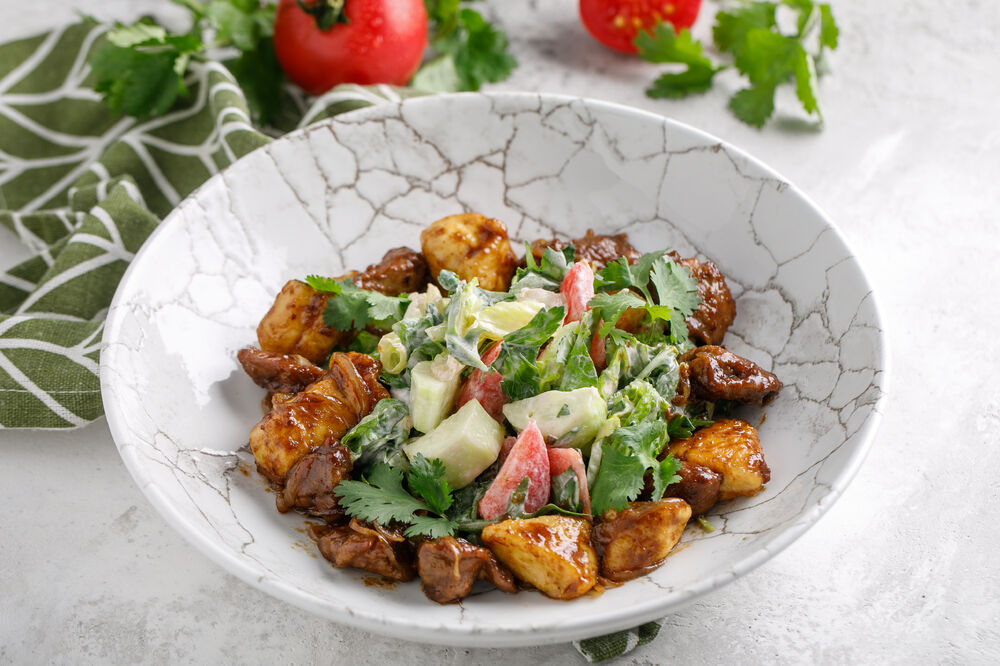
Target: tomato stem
{"type": "Point", "coordinates": [327, 13]}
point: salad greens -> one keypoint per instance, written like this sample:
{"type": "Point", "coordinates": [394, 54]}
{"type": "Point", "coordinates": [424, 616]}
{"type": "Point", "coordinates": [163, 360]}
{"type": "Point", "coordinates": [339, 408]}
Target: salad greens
{"type": "Point", "coordinates": [619, 413]}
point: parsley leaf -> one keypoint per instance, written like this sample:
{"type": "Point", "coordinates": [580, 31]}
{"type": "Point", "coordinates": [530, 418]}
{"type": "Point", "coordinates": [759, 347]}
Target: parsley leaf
{"type": "Point", "coordinates": [663, 45]}
{"type": "Point", "coordinates": [676, 288]}
{"type": "Point", "coordinates": [472, 51]}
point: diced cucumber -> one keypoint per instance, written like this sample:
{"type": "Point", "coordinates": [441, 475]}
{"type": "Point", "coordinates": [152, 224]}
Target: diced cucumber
{"type": "Point", "coordinates": [433, 387]}
{"type": "Point", "coordinates": [467, 442]}
{"type": "Point", "coordinates": [572, 418]}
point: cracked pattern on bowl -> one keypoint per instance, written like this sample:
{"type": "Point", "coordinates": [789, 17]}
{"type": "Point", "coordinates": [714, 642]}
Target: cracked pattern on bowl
{"type": "Point", "coordinates": [337, 195]}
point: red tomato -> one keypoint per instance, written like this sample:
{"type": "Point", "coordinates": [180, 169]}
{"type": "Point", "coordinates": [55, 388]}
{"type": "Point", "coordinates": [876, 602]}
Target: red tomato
{"type": "Point", "coordinates": [577, 288]}
{"type": "Point", "coordinates": [527, 458]}
{"type": "Point", "coordinates": [383, 41]}
{"type": "Point", "coordinates": [615, 23]}
{"type": "Point", "coordinates": [561, 460]}
{"type": "Point", "coordinates": [485, 387]}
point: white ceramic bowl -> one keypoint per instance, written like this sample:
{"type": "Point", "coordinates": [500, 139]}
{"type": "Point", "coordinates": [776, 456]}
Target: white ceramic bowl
{"type": "Point", "coordinates": [338, 194]}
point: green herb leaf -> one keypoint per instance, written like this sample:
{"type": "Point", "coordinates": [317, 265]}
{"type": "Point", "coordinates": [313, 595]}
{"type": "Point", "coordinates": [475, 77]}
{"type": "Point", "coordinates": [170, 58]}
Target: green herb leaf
{"type": "Point", "coordinates": [353, 308]}
{"type": "Point", "coordinates": [625, 457]}
{"type": "Point", "coordinates": [382, 499]}
{"type": "Point", "coordinates": [566, 491]}
{"type": "Point", "coordinates": [140, 68]}
{"type": "Point", "coordinates": [663, 45]}
{"type": "Point", "coordinates": [478, 50]}
{"type": "Point", "coordinates": [732, 26]}
{"type": "Point", "coordinates": [426, 478]}
{"type": "Point", "coordinates": [676, 288]}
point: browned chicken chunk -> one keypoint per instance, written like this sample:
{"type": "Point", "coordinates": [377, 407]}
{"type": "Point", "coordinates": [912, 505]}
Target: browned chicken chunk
{"type": "Point", "coordinates": [596, 249]}
{"type": "Point", "coordinates": [310, 482]}
{"type": "Point", "coordinates": [718, 374]}
{"type": "Point", "coordinates": [324, 410]}
{"type": "Point", "coordinates": [294, 324]}
{"type": "Point", "coordinates": [730, 448]}
{"type": "Point", "coordinates": [280, 373]}
{"type": "Point", "coordinates": [401, 271]}
{"type": "Point", "coordinates": [709, 323]}
{"type": "Point", "coordinates": [449, 567]}
{"type": "Point", "coordinates": [637, 540]}
{"type": "Point", "coordinates": [553, 553]}
{"type": "Point", "coordinates": [699, 487]}
{"type": "Point", "coordinates": [471, 246]}
{"type": "Point", "coordinates": [370, 547]}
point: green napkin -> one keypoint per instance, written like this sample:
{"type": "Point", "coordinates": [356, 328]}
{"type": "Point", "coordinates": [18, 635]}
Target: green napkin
{"type": "Point", "coordinates": [83, 189]}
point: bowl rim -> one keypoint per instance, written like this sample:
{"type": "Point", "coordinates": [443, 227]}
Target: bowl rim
{"type": "Point", "coordinates": [470, 635]}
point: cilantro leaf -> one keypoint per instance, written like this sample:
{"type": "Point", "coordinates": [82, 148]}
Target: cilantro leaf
{"type": "Point", "coordinates": [611, 307]}
{"type": "Point", "coordinates": [472, 50]}
{"type": "Point", "coordinates": [625, 457]}
{"type": "Point", "coordinates": [753, 105]}
{"type": "Point", "coordinates": [732, 26]}
{"type": "Point", "coordinates": [353, 308]}
{"type": "Point", "coordinates": [663, 45]}
{"type": "Point", "coordinates": [382, 499]}
{"type": "Point", "coordinates": [426, 478]}
{"type": "Point", "coordinates": [379, 499]}
{"type": "Point", "coordinates": [139, 69]}
{"type": "Point", "coordinates": [675, 287]}
{"type": "Point", "coordinates": [829, 33]}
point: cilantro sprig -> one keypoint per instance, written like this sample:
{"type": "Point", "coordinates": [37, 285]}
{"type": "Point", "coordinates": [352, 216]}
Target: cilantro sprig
{"type": "Point", "coordinates": [469, 50]}
{"type": "Point", "coordinates": [625, 458]}
{"type": "Point", "coordinates": [140, 68]}
{"type": "Point", "coordinates": [356, 308]}
{"type": "Point", "coordinates": [669, 294]}
{"type": "Point", "coordinates": [381, 498]}
{"type": "Point", "coordinates": [752, 35]}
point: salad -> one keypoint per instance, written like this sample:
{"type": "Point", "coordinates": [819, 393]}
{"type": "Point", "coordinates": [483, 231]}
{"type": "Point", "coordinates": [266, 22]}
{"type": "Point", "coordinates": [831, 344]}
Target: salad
{"type": "Point", "coordinates": [461, 414]}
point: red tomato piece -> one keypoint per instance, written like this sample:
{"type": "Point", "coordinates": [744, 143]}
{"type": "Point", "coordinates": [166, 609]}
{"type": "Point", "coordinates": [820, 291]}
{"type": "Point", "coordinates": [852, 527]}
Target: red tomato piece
{"type": "Point", "coordinates": [528, 458]}
{"type": "Point", "coordinates": [598, 351]}
{"type": "Point", "coordinates": [615, 23]}
{"type": "Point", "coordinates": [577, 288]}
{"type": "Point", "coordinates": [382, 41]}
{"type": "Point", "coordinates": [485, 387]}
{"type": "Point", "coordinates": [561, 460]}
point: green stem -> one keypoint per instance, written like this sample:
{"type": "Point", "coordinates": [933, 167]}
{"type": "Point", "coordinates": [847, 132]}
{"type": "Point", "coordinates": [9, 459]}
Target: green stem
{"type": "Point", "coordinates": [327, 13]}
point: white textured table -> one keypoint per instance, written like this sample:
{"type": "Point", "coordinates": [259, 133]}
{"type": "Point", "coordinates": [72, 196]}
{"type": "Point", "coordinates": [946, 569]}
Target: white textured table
{"type": "Point", "coordinates": [903, 569]}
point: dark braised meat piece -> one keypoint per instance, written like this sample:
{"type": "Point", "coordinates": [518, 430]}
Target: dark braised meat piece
{"type": "Point", "coordinates": [731, 449]}
{"type": "Point", "coordinates": [449, 567]}
{"type": "Point", "coordinates": [325, 410]}
{"type": "Point", "coordinates": [718, 374]}
{"type": "Point", "coordinates": [597, 250]}
{"type": "Point", "coordinates": [280, 373]}
{"type": "Point", "coordinates": [635, 541]}
{"type": "Point", "coordinates": [401, 271]}
{"type": "Point", "coordinates": [310, 482]}
{"type": "Point", "coordinates": [699, 487]}
{"type": "Point", "coordinates": [370, 547]}
{"type": "Point", "coordinates": [709, 323]}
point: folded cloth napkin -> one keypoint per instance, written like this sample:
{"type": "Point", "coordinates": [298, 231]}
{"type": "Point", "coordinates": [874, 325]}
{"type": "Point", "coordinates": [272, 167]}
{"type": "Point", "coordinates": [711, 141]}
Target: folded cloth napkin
{"type": "Point", "coordinates": [83, 189]}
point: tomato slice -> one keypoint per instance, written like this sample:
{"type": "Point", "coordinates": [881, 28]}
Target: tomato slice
{"type": "Point", "coordinates": [561, 460]}
{"type": "Point", "coordinates": [527, 458]}
{"type": "Point", "coordinates": [485, 387]}
{"type": "Point", "coordinates": [577, 288]}
{"type": "Point", "coordinates": [615, 23]}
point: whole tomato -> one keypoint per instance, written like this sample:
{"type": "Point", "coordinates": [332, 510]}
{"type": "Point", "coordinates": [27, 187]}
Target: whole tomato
{"type": "Point", "coordinates": [615, 23]}
{"type": "Point", "coordinates": [371, 41]}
